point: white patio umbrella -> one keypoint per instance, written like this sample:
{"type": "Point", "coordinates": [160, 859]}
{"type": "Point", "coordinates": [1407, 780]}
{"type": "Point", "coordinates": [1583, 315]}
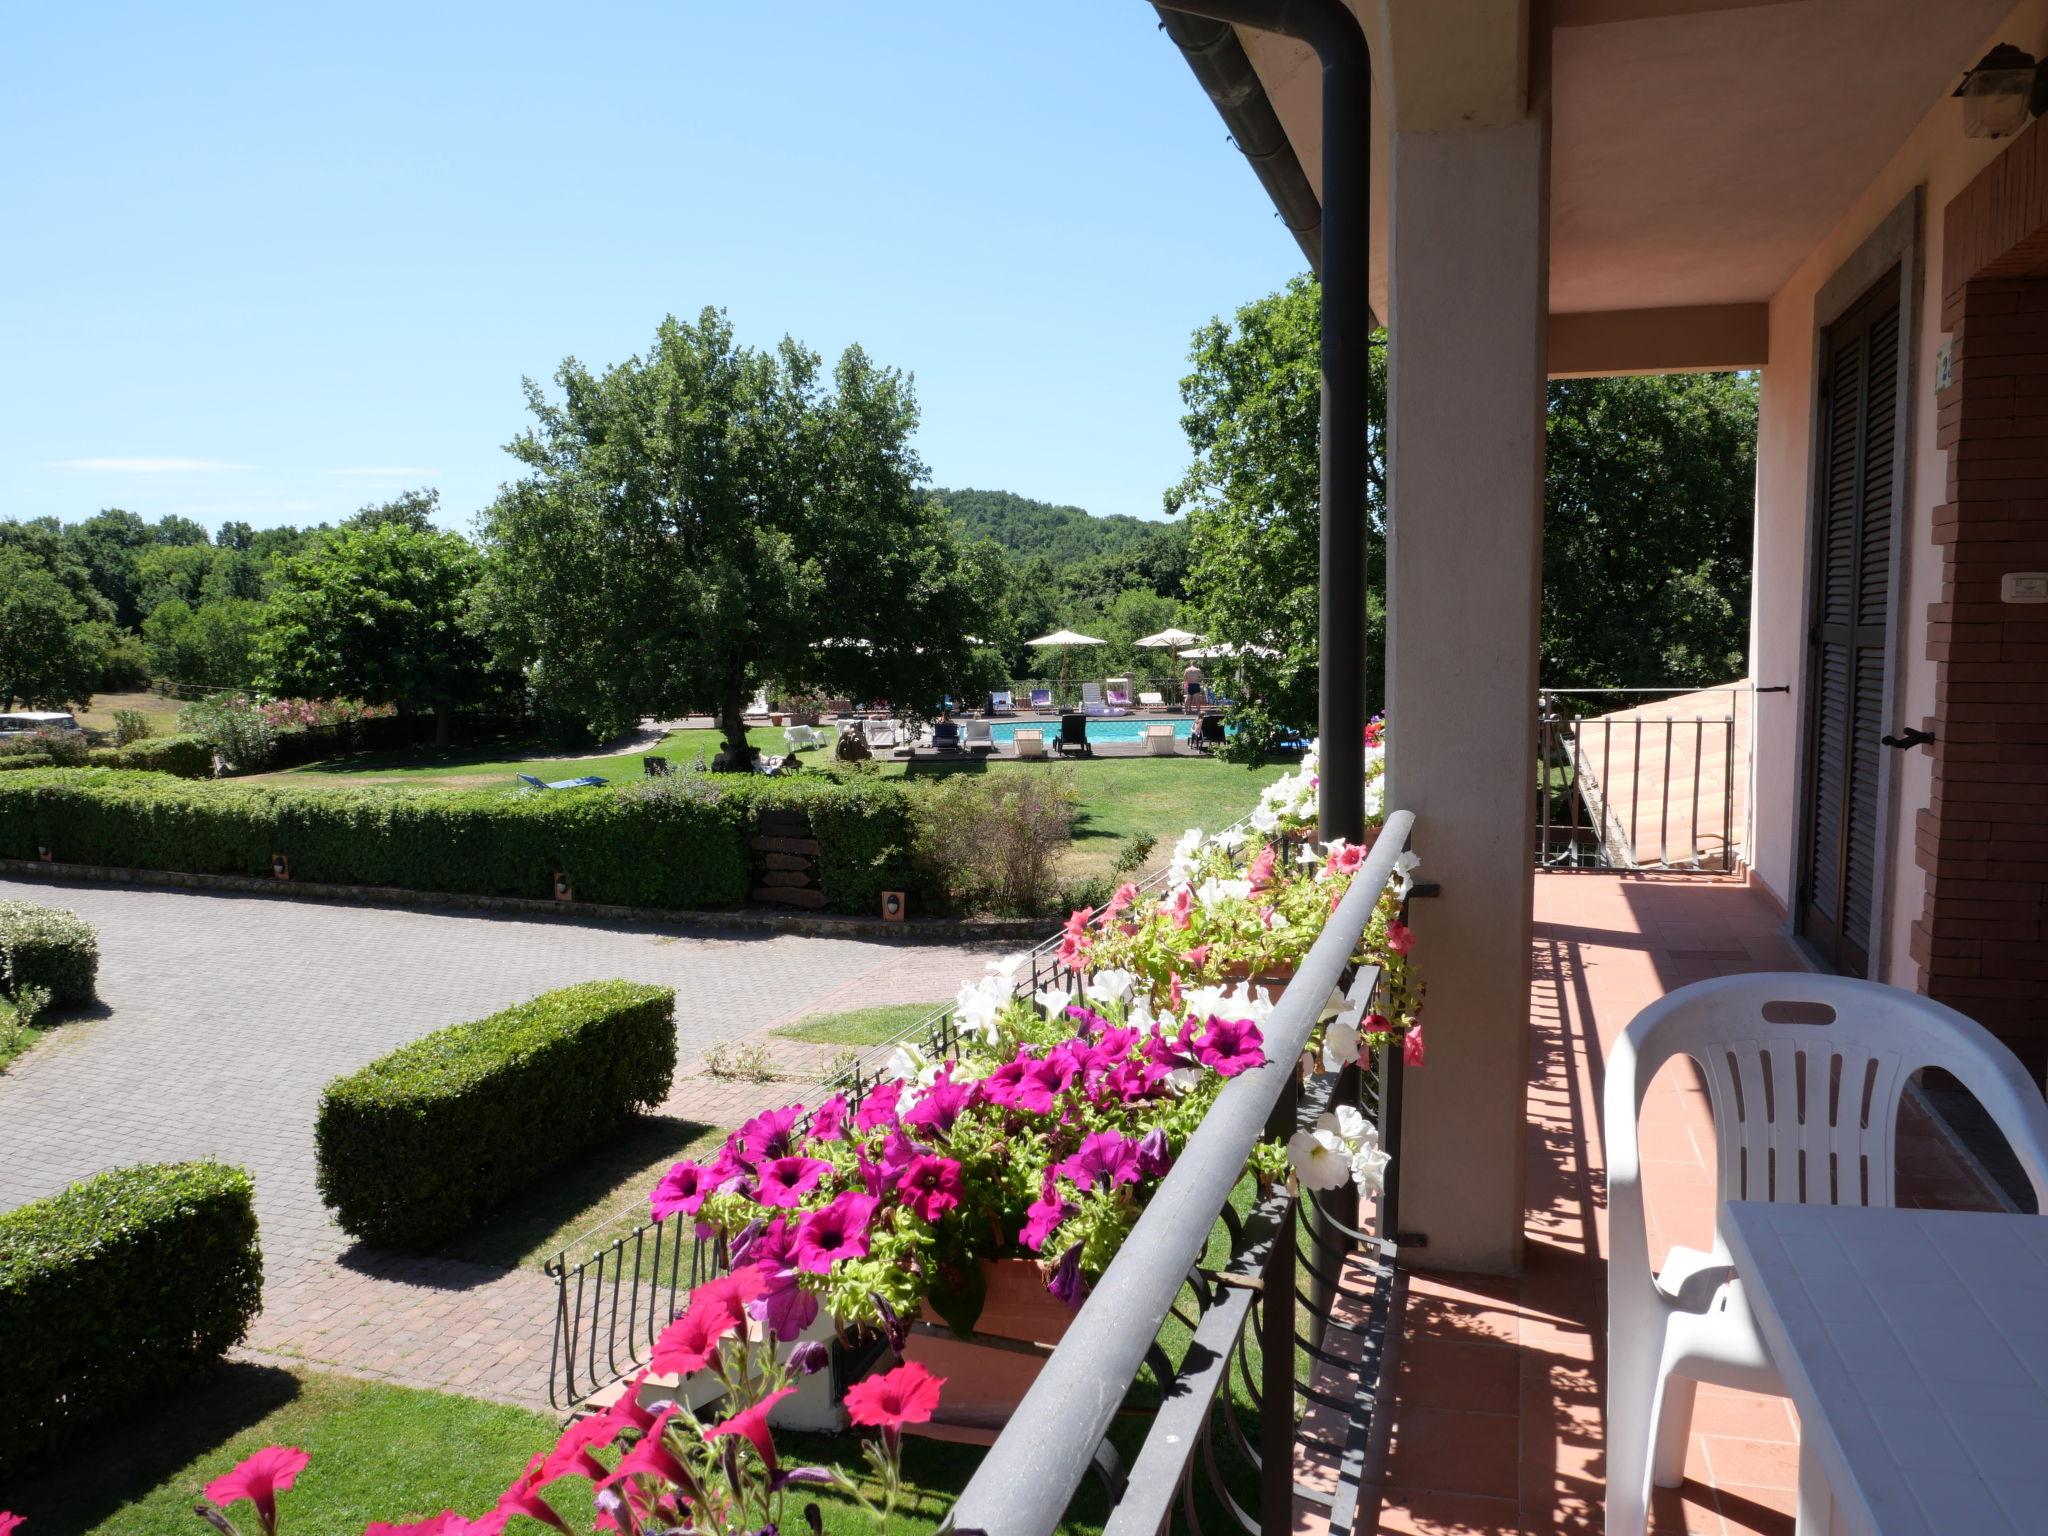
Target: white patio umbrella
{"type": "Point", "coordinates": [1168, 639]}
{"type": "Point", "coordinates": [1065, 640]}
{"type": "Point", "coordinates": [1225, 648]}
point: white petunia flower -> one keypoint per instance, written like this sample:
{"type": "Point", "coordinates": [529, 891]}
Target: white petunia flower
{"type": "Point", "coordinates": [1053, 1000]}
{"type": "Point", "coordinates": [1005, 970]}
{"type": "Point", "coordinates": [1182, 1081]}
{"type": "Point", "coordinates": [1230, 839]}
{"type": "Point", "coordinates": [1319, 1159]}
{"type": "Point", "coordinates": [1348, 1125]}
{"type": "Point", "coordinates": [1308, 855]}
{"type": "Point", "coordinates": [1212, 890]}
{"type": "Point", "coordinates": [908, 1064]}
{"type": "Point", "coordinates": [1340, 1045]}
{"type": "Point", "coordinates": [978, 1005]}
{"type": "Point", "coordinates": [1265, 820]}
{"type": "Point", "coordinates": [1404, 871]}
{"type": "Point", "coordinates": [1110, 986]}
{"type": "Point", "coordinates": [1369, 1171]}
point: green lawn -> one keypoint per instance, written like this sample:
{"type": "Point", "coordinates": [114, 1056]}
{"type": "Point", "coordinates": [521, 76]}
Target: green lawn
{"type": "Point", "coordinates": [861, 1027]}
{"type": "Point", "coordinates": [1121, 797]}
{"type": "Point", "coordinates": [162, 712]}
{"type": "Point", "coordinates": [385, 1453]}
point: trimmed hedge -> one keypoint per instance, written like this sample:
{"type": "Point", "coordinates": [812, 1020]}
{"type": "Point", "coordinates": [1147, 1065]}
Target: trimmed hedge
{"type": "Point", "coordinates": [48, 947]}
{"type": "Point", "coordinates": [679, 844]}
{"type": "Point", "coordinates": [117, 1291]}
{"type": "Point", "coordinates": [421, 1142]}
{"type": "Point", "coordinates": [188, 757]}
{"type": "Point", "coordinates": [11, 762]}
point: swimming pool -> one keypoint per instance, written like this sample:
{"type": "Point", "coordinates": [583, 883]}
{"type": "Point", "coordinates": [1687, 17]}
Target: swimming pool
{"type": "Point", "coordinates": [1130, 729]}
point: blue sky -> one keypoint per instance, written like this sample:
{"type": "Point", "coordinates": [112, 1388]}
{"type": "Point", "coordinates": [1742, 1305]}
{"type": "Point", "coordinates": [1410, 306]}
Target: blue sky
{"type": "Point", "coordinates": [271, 261]}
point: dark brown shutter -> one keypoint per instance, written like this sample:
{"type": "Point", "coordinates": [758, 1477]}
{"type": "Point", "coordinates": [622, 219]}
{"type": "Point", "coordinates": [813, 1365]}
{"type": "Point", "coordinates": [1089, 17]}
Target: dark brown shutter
{"type": "Point", "coordinates": [1852, 595]}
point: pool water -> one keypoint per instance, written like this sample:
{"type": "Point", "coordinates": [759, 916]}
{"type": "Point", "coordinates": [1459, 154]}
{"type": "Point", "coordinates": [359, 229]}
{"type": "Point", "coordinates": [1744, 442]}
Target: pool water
{"type": "Point", "coordinates": [1128, 730]}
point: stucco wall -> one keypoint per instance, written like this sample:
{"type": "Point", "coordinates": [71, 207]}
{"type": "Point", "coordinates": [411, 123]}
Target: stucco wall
{"type": "Point", "coordinates": [1938, 159]}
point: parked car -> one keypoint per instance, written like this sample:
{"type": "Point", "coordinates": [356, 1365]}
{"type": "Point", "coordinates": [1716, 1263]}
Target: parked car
{"type": "Point", "coordinates": [28, 722]}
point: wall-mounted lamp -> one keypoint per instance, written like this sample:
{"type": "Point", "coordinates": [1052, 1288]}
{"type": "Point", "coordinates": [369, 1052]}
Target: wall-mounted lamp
{"type": "Point", "coordinates": [2002, 92]}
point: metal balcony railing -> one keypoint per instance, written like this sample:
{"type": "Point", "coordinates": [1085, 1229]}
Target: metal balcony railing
{"type": "Point", "coordinates": [1287, 1331]}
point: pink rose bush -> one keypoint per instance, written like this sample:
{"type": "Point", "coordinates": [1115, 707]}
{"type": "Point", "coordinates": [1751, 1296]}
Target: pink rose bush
{"type": "Point", "coordinates": [661, 1466]}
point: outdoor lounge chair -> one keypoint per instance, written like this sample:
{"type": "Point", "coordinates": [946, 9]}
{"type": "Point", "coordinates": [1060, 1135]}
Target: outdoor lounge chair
{"type": "Point", "coordinates": [1091, 696]}
{"type": "Point", "coordinates": [802, 738]}
{"type": "Point", "coordinates": [1041, 698]}
{"type": "Point", "coordinates": [1803, 1076]}
{"type": "Point", "coordinates": [655, 767]}
{"type": "Point", "coordinates": [1029, 743]}
{"type": "Point", "coordinates": [881, 733]}
{"type": "Point", "coordinates": [1001, 703]}
{"type": "Point", "coordinates": [1151, 698]}
{"type": "Point", "coordinates": [1119, 698]}
{"type": "Point", "coordinates": [1209, 733]}
{"type": "Point", "coordinates": [979, 737]}
{"type": "Point", "coordinates": [583, 783]}
{"type": "Point", "coordinates": [1160, 740]}
{"type": "Point", "coordinates": [946, 737]}
{"type": "Point", "coordinates": [1073, 737]}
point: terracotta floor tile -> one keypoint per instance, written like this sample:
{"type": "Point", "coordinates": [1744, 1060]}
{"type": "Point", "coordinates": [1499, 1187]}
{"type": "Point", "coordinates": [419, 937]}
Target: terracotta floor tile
{"type": "Point", "coordinates": [1440, 1514]}
{"type": "Point", "coordinates": [1690, 1507]}
{"type": "Point", "coordinates": [1752, 1463]}
{"type": "Point", "coordinates": [1746, 1416]}
{"type": "Point", "coordinates": [1441, 1451]}
{"type": "Point", "coordinates": [1756, 1511]}
{"type": "Point", "coordinates": [1449, 1373]}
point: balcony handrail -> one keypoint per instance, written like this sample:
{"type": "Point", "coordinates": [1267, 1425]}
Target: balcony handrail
{"type": "Point", "coordinates": [1024, 1484]}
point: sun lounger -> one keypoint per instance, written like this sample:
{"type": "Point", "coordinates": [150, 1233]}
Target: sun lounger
{"type": "Point", "coordinates": [1030, 743]}
{"type": "Point", "coordinates": [1209, 733]}
{"type": "Point", "coordinates": [979, 737]}
{"type": "Point", "coordinates": [1001, 702]}
{"type": "Point", "coordinates": [1160, 741]}
{"type": "Point", "coordinates": [1073, 737]}
{"type": "Point", "coordinates": [881, 733]}
{"type": "Point", "coordinates": [1152, 698]}
{"type": "Point", "coordinates": [946, 737]}
{"type": "Point", "coordinates": [1041, 698]}
{"type": "Point", "coordinates": [583, 783]}
{"type": "Point", "coordinates": [802, 738]}
{"type": "Point", "coordinates": [1091, 693]}
{"type": "Point", "coordinates": [1119, 698]}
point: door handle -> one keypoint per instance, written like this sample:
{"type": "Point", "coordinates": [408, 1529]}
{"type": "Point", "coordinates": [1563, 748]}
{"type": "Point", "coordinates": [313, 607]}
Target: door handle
{"type": "Point", "coordinates": [1911, 736]}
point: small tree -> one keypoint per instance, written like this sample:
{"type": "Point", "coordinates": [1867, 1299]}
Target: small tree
{"type": "Point", "coordinates": [50, 647]}
{"type": "Point", "coordinates": [380, 614]}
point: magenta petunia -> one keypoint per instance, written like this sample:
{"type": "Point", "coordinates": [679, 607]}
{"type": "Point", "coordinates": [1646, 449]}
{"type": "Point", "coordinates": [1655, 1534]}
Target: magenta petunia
{"type": "Point", "coordinates": [828, 1120]}
{"type": "Point", "coordinates": [784, 1181]}
{"type": "Point", "coordinates": [1103, 1161]}
{"type": "Point", "coordinates": [1231, 1046]}
{"type": "Point", "coordinates": [260, 1478]}
{"type": "Point", "coordinates": [1001, 1085]}
{"type": "Point", "coordinates": [879, 1107]}
{"type": "Point", "coordinates": [1042, 1082]}
{"type": "Point", "coordinates": [930, 1186]}
{"type": "Point", "coordinates": [1087, 1018]}
{"type": "Point", "coordinates": [839, 1231]}
{"type": "Point", "coordinates": [1131, 1081]}
{"type": "Point", "coordinates": [752, 1425]}
{"type": "Point", "coordinates": [907, 1395]}
{"type": "Point", "coordinates": [1042, 1219]}
{"type": "Point", "coordinates": [1067, 1283]}
{"type": "Point", "coordinates": [940, 1108]}
{"type": "Point", "coordinates": [1155, 1158]}
{"type": "Point", "coordinates": [786, 1308]}
{"type": "Point", "coordinates": [772, 1133]}
{"type": "Point", "coordinates": [683, 1189]}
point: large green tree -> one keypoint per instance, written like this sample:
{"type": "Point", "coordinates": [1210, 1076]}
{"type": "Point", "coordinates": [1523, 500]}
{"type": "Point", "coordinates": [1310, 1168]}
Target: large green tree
{"type": "Point", "coordinates": [214, 645]}
{"type": "Point", "coordinates": [709, 518]}
{"type": "Point", "coordinates": [1648, 503]}
{"type": "Point", "coordinates": [380, 614]}
{"type": "Point", "coordinates": [51, 643]}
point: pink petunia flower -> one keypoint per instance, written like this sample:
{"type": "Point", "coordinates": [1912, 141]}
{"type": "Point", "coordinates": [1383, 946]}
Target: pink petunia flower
{"type": "Point", "coordinates": [930, 1186]}
{"type": "Point", "coordinates": [839, 1231]}
{"type": "Point", "coordinates": [1181, 906]}
{"type": "Point", "coordinates": [1411, 1047]}
{"type": "Point", "coordinates": [650, 1458]}
{"type": "Point", "coordinates": [772, 1133]}
{"type": "Point", "coordinates": [940, 1108]}
{"type": "Point", "coordinates": [260, 1479]}
{"type": "Point", "coordinates": [1196, 957]}
{"type": "Point", "coordinates": [1231, 1046]}
{"type": "Point", "coordinates": [523, 1497]}
{"type": "Point", "coordinates": [784, 1181]}
{"type": "Point", "coordinates": [785, 1308]}
{"type": "Point", "coordinates": [879, 1107]}
{"type": "Point", "coordinates": [1400, 937]}
{"type": "Point", "coordinates": [1103, 1161]}
{"type": "Point", "coordinates": [828, 1120]}
{"type": "Point", "coordinates": [717, 1308]}
{"type": "Point", "coordinates": [752, 1423]}
{"type": "Point", "coordinates": [11, 1522]}
{"type": "Point", "coordinates": [1042, 1219]}
{"type": "Point", "coordinates": [572, 1450]}
{"type": "Point", "coordinates": [683, 1189]}
{"type": "Point", "coordinates": [1042, 1082]}
{"type": "Point", "coordinates": [1261, 871]}
{"type": "Point", "coordinates": [1121, 900]}
{"type": "Point", "coordinates": [1345, 860]}
{"type": "Point", "coordinates": [907, 1395]}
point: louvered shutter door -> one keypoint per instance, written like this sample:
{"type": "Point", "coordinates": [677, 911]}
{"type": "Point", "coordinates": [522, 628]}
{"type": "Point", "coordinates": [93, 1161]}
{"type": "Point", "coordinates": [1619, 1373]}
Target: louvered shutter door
{"type": "Point", "coordinates": [1852, 592]}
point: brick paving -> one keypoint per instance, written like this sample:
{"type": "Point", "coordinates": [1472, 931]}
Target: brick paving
{"type": "Point", "coordinates": [224, 1016]}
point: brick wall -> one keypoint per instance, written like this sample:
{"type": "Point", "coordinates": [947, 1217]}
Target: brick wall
{"type": "Point", "coordinates": [1982, 937]}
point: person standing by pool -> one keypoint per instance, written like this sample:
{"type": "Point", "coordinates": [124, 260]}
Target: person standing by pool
{"type": "Point", "coordinates": [1191, 683]}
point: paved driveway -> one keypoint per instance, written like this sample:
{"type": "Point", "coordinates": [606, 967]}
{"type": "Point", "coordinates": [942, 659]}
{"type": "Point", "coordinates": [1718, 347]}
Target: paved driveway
{"type": "Point", "coordinates": [224, 1016]}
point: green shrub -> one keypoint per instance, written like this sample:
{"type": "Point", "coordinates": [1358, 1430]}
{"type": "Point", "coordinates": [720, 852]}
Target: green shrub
{"type": "Point", "coordinates": [11, 760]}
{"type": "Point", "coordinates": [993, 840]}
{"type": "Point", "coordinates": [132, 725]}
{"type": "Point", "coordinates": [421, 1142]}
{"type": "Point", "coordinates": [189, 757]}
{"type": "Point", "coordinates": [49, 948]}
{"type": "Point", "coordinates": [646, 846]}
{"type": "Point", "coordinates": [116, 1292]}
{"type": "Point", "coordinates": [234, 728]}
{"type": "Point", "coordinates": [67, 749]}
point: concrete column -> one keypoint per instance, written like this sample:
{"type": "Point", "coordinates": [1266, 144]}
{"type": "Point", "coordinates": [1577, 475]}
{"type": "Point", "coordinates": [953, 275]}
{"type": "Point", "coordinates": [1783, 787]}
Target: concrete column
{"type": "Point", "coordinates": [1467, 302]}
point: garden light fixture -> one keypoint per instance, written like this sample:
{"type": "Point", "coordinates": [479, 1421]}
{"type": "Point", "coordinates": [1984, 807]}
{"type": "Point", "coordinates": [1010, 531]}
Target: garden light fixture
{"type": "Point", "coordinates": [2001, 93]}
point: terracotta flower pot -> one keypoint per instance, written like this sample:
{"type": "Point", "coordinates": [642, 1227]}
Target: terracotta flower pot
{"type": "Point", "coordinates": [988, 1375]}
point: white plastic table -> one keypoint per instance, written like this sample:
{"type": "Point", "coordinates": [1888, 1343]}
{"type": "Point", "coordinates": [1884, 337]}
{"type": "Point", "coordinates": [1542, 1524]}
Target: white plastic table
{"type": "Point", "coordinates": [1915, 1346]}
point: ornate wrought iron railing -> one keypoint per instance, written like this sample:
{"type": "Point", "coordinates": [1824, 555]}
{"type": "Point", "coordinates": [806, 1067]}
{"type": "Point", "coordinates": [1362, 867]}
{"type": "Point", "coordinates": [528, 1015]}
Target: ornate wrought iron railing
{"type": "Point", "coordinates": [615, 1297]}
{"type": "Point", "coordinates": [1270, 1403]}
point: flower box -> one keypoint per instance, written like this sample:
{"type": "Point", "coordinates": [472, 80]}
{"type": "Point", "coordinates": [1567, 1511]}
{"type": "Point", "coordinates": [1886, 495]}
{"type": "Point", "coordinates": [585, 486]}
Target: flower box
{"type": "Point", "coordinates": [988, 1375]}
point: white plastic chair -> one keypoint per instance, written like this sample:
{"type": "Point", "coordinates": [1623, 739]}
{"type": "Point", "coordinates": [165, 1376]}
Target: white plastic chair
{"type": "Point", "coordinates": [1804, 1113]}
